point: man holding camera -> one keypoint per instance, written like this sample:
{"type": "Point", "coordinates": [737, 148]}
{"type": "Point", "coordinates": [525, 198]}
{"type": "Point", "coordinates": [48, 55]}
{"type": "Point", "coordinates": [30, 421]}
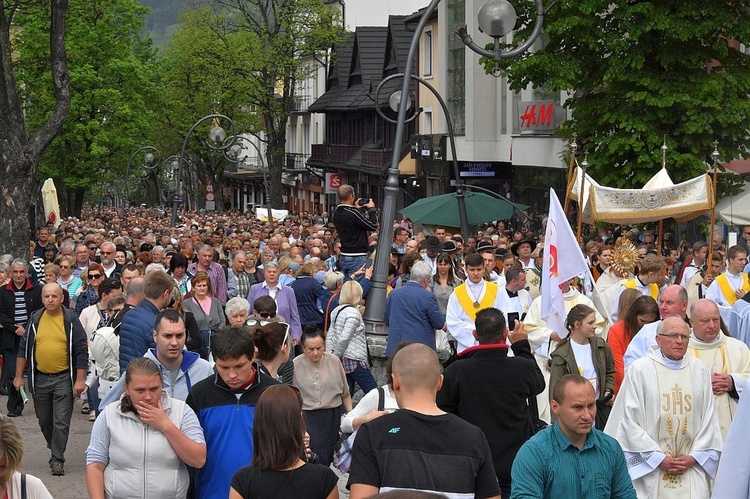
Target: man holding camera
{"type": "Point", "coordinates": [353, 225]}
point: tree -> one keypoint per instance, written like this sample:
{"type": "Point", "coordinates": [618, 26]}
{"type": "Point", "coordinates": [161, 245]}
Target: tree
{"type": "Point", "coordinates": [253, 52]}
{"type": "Point", "coordinates": [115, 94]}
{"type": "Point", "coordinates": [21, 147]}
{"type": "Point", "coordinates": [643, 73]}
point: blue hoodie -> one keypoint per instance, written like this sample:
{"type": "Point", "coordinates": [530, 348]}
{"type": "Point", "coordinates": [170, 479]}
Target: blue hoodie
{"type": "Point", "coordinates": [192, 370]}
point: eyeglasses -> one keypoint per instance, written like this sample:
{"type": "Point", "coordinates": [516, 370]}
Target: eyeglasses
{"type": "Point", "coordinates": [94, 276]}
{"type": "Point", "coordinates": [675, 336]}
{"type": "Point", "coordinates": [107, 252]}
{"type": "Point", "coordinates": [267, 315]}
{"type": "Point", "coordinates": [252, 321]}
{"type": "Point", "coordinates": [64, 266]}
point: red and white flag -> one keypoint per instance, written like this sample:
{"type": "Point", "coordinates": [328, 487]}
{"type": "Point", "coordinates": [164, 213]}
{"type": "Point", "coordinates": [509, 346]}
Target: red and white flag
{"type": "Point", "coordinates": [563, 260]}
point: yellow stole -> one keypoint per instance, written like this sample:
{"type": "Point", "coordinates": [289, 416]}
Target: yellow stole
{"type": "Point", "coordinates": [726, 287]}
{"type": "Point", "coordinates": [653, 289]}
{"type": "Point", "coordinates": [467, 303]}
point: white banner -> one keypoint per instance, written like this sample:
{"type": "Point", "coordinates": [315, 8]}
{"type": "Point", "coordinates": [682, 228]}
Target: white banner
{"type": "Point", "coordinates": [563, 260]}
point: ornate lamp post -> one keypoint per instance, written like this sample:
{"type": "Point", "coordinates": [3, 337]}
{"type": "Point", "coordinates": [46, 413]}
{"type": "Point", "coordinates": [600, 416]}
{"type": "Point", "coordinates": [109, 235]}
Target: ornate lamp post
{"type": "Point", "coordinates": [496, 18]}
{"type": "Point", "coordinates": [150, 163]}
{"type": "Point", "coordinates": [217, 142]}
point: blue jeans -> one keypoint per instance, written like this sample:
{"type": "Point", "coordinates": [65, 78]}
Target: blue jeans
{"type": "Point", "coordinates": [363, 377]}
{"type": "Point", "coordinates": [351, 264]}
{"type": "Point", "coordinates": [53, 403]}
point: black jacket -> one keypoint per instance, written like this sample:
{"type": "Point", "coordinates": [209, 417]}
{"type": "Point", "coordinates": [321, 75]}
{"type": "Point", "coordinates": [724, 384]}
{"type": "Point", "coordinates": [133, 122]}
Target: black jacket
{"type": "Point", "coordinates": [490, 390]}
{"type": "Point", "coordinates": [33, 297]}
{"type": "Point", "coordinates": [78, 353]}
{"type": "Point", "coordinates": [353, 226]}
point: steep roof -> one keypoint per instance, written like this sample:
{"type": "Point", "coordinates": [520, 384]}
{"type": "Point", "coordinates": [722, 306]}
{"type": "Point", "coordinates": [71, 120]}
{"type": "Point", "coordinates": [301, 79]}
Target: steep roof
{"type": "Point", "coordinates": [362, 62]}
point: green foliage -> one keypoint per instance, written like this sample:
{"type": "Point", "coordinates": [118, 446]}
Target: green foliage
{"type": "Point", "coordinates": [243, 58]}
{"type": "Point", "coordinates": [114, 85]}
{"type": "Point", "coordinates": [643, 73]}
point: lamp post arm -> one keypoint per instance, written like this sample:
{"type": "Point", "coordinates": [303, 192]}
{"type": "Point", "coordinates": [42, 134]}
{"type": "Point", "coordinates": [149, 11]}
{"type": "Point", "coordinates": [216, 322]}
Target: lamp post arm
{"type": "Point", "coordinates": [175, 202]}
{"type": "Point", "coordinates": [127, 170]}
{"type": "Point", "coordinates": [497, 54]}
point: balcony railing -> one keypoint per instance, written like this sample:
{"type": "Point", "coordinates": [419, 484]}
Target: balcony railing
{"type": "Point", "coordinates": [333, 153]}
{"type": "Point", "coordinates": [295, 161]}
{"type": "Point", "coordinates": [301, 103]}
{"type": "Point", "coordinates": [376, 158]}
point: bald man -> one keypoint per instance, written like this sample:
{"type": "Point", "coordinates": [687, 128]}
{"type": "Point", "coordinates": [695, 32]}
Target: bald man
{"type": "Point", "coordinates": [437, 452]}
{"type": "Point", "coordinates": [727, 358]}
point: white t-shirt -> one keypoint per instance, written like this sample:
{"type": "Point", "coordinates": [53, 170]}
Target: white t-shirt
{"type": "Point", "coordinates": [585, 363]}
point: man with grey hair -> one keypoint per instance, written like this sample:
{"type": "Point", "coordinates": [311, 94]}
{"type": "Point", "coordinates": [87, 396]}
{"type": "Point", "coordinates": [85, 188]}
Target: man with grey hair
{"type": "Point", "coordinates": [412, 312]}
{"type": "Point", "coordinates": [242, 279]}
{"type": "Point", "coordinates": [215, 272]}
{"type": "Point", "coordinates": [107, 256]}
{"type": "Point", "coordinates": [18, 300]}
{"type": "Point", "coordinates": [286, 301]}
{"type": "Point", "coordinates": [664, 418]}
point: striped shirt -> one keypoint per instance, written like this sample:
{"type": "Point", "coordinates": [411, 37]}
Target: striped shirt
{"type": "Point", "coordinates": [20, 314]}
{"type": "Point", "coordinates": [549, 465]}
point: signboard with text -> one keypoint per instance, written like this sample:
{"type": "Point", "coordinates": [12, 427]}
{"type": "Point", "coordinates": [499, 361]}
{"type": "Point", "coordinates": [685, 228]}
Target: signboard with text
{"type": "Point", "coordinates": [539, 116]}
{"type": "Point", "coordinates": [483, 169]}
{"type": "Point", "coordinates": [333, 182]}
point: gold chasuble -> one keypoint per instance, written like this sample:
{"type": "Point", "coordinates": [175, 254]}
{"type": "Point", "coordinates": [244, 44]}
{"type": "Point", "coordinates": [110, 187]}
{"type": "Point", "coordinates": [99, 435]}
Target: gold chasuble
{"type": "Point", "coordinates": [676, 429]}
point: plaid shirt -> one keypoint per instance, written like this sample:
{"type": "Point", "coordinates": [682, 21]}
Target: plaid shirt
{"type": "Point", "coordinates": [351, 365]}
{"type": "Point", "coordinates": [218, 280]}
{"type": "Point", "coordinates": [244, 281]}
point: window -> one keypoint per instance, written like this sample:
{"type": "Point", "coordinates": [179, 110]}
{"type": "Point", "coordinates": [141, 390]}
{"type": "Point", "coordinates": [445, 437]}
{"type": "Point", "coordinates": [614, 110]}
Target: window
{"type": "Point", "coordinates": [427, 122]}
{"type": "Point", "coordinates": [427, 52]}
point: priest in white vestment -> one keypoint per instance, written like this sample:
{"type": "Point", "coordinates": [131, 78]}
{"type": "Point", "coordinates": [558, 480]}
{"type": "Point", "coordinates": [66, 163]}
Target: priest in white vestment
{"type": "Point", "coordinates": [727, 358]}
{"type": "Point", "coordinates": [665, 420]}
{"type": "Point", "coordinates": [733, 477]}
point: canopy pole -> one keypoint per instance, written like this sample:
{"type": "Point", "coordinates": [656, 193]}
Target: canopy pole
{"type": "Point", "coordinates": [715, 157]}
{"type": "Point", "coordinates": [661, 236]}
{"type": "Point", "coordinates": [570, 180]}
{"type": "Point", "coordinates": [580, 199]}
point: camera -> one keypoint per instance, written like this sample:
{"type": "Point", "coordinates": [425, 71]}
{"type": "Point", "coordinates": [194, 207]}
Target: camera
{"type": "Point", "coordinates": [363, 202]}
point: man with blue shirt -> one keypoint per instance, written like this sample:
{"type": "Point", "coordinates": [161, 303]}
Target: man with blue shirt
{"type": "Point", "coordinates": [225, 406]}
{"type": "Point", "coordinates": [412, 312]}
{"type": "Point", "coordinates": [571, 458]}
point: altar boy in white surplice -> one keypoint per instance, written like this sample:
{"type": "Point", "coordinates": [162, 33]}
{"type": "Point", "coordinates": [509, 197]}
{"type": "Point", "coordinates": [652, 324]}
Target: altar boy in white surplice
{"type": "Point", "coordinates": [664, 419]}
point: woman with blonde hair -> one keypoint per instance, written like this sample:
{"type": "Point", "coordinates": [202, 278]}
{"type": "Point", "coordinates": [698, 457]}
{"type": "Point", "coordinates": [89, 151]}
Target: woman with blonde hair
{"type": "Point", "coordinates": [12, 482]}
{"type": "Point", "coordinates": [346, 338]}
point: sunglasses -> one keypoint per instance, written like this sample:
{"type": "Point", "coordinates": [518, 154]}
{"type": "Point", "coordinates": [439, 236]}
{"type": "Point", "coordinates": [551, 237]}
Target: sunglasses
{"type": "Point", "coordinates": [267, 315]}
{"type": "Point", "coordinates": [94, 276]}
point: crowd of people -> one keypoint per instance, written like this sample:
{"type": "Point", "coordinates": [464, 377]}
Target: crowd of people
{"type": "Point", "coordinates": [227, 357]}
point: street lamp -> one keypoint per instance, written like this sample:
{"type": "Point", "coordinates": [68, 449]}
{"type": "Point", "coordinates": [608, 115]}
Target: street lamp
{"type": "Point", "coordinates": [234, 154]}
{"type": "Point", "coordinates": [494, 20]}
{"type": "Point", "coordinates": [218, 137]}
{"type": "Point", "coordinates": [150, 162]}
